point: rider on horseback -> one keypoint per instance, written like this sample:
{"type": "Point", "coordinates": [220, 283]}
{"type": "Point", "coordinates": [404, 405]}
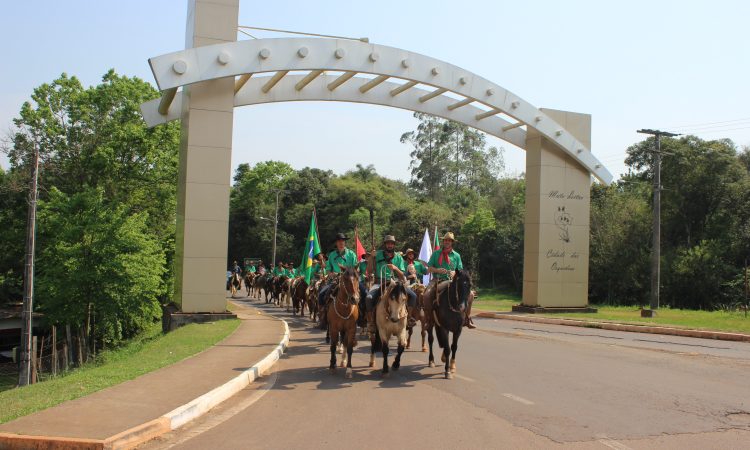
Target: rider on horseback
{"type": "Point", "coordinates": [415, 268]}
{"type": "Point", "coordinates": [387, 264]}
{"type": "Point", "coordinates": [338, 258]}
{"type": "Point", "coordinates": [443, 265]}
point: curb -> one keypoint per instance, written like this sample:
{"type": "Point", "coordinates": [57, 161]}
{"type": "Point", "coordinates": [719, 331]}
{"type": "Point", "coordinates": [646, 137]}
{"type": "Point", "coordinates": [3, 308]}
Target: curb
{"type": "Point", "coordinates": [168, 422]}
{"type": "Point", "coordinates": [702, 334]}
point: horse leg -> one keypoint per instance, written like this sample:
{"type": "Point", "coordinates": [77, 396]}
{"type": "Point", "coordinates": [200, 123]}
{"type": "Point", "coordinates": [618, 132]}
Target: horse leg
{"type": "Point", "coordinates": [454, 348]}
{"type": "Point", "coordinates": [424, 335]}
{"type": "Point", "coordinates": [373, 348]}
{"type": "Point", "coordinates": [443, 336]}
{"type": "Point", "coordinates": [341, 348]}
{"type": "Point", "coordinates": [397, 361]}
{"type": "Point", "coordinates": [386, 370]}
{"type": "Point", "coordinates": [349, 350]}
{"type": "Point", "coordinates": [332, 367]}
{"type": "Point", "coordinates": [408, 338]}
{"type": "Point", "coordinates": [430, 338]}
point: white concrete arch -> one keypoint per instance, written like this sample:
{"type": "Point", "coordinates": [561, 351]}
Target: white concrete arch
{"type": "Point", "coordinates": [318, 57]}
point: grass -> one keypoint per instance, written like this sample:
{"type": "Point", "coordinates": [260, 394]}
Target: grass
{"type": "Point", "coordinates": [148, 352]}
{"type": "Point", "coordinates": [699, 320]}
{"type": "Point", "coordinates": [499, 300]}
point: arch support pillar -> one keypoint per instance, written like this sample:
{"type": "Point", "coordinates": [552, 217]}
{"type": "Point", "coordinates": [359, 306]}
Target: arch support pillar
{"type": "Point", "coordinates": [556, 226]}
{"type": "Point", "coordinates": [205, 168]}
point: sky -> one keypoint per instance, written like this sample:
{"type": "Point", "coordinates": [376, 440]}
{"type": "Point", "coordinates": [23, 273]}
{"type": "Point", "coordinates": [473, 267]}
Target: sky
{"type": "Point", "coordinates": [682, 66]}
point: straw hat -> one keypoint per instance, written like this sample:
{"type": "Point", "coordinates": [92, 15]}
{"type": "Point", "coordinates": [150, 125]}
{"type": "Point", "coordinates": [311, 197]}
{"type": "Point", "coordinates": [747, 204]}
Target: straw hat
{"type": "Point", "coordinates": [449, 235]}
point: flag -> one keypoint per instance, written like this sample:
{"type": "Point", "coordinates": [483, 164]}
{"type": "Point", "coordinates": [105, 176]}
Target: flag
{"type": "Point", "coordinates": [436, 246]}
{"type": "Point", "coordinates": [425, 252]}
{"type": "Point", "coordinates": [360, 248]}
{"type": "Point", "coordinates": [312, 248]}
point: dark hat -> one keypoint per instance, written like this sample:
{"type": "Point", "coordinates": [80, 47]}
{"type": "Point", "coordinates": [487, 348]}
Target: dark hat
{"type": "Point", "coordinates": [340, 237]}
{"type": "Point", "coordinates": [389, 238]}
{"type": "Point", "coordinates": [409, 250]}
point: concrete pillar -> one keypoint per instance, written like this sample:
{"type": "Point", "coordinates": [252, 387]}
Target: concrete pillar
{"type": "Point", "coordinates": [556, 234]}
{"type": "Point", "coordinates": [205, 168]}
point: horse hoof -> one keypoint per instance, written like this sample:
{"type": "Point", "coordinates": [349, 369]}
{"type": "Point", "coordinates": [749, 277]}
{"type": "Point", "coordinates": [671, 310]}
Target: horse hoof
{"type": "Point", "coordinates": [343, 364]}
{"type": "Point", "coordinates": [448, 376]}
{"type": "Point", "coordinates": [332, 370]}
{"type": "Point", "coordinates": [386, 375]}
{"type": "Point", "coordinates": [424, 349]}
{"type": "Point", "coordinates": [432, 363]}
{"type": "Point", "coordinates": [348, 373]}
{"type": "Point", "coordinates": [372, 364]}
{"type": "Point", "coordinates": [442, 357]}
{"type": "Point", "coordinates": [453, 366]}
{"type": "Point", "coordinates": [395, 367]}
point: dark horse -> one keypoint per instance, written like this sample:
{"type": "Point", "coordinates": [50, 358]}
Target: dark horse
{"type": "Point", "coordinates": [299, 296]}
{"type": "Point", "coordinates": [446, 315]}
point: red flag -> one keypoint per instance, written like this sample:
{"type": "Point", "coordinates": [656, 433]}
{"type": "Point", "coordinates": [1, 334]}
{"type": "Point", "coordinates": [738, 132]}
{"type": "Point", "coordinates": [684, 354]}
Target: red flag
{"type": "Point", "coordinates": [360, 247]}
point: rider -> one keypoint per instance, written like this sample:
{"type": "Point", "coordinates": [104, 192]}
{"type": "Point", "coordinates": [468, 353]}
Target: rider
{"type": "Point", "coordinates": [236, 269]}
{"type": "Point", "coordinates": [278, 271]}
{"type": "Point", "coordinates": [419, 268]}
{"type": "Point", "coordinates": [339, 257]}
{"type": "Point", "coordinates": [250, 267]}
{"type": "Point", "coordinates": [261, 269]}
{"type": "Point", "coordinates": [387, 263]}
{"type": "Point", "coordinates": [443, 265]}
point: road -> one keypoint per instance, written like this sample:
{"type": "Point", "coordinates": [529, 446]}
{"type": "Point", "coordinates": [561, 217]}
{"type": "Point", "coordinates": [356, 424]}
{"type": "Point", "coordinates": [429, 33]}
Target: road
{"type": "Point", "coordinates": [518, 385]}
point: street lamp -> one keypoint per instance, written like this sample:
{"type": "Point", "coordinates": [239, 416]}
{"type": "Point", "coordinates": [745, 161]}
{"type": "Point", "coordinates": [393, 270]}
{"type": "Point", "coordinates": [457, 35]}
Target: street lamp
{"type": "Point", "coordinates": [275, 225]}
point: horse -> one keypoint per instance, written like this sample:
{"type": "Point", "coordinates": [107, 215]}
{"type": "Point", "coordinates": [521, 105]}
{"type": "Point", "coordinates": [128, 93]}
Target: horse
{"type": "Point", "coordinates": [276, 284]}
{"type": "Point", "coordinates": [235, 284]}
{"type": "Point", "coordinates": [446, 314]}
{"type": "Point", "coordinates": [299, 296]}
{"type": "Point", "coordinates": [262, 286]}
{"type": "Point", "coordinates": [390, 317]}
{"type": "Point", "coordinates": [418, 315]}
{"type": "Point", "coordinates": [342, 315]}
{"type": "Point", "coordinates": [312, 299]}
{"type": "Point", "coordinates": [249, 281]}
{"type": "Point", "coordinates": [285, 294]}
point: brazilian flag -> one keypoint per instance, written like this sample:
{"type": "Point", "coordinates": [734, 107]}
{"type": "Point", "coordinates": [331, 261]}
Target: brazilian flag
{"type": "Point", "coordinates": [312, 248]}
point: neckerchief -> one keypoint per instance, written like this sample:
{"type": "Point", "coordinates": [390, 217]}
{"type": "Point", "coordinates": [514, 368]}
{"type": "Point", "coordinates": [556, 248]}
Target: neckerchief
{"type": "Point", "coordinates": [444, 254]}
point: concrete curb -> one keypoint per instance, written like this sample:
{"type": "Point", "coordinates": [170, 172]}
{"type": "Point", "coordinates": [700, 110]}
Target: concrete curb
{"type": "Point", "coordinates": [703, 334]}
{"type": "Point", "coordinates": [170, 421]}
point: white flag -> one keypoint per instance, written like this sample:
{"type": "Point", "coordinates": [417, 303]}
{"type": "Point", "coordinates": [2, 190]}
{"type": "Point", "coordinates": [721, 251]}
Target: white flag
{"type": "Point", "coordinates": [424, 254]}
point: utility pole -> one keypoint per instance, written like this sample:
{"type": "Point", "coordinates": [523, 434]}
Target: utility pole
{"type": "Point", "coordinates": [275, 228]}
{"type": "Point", "coordinates": [656, 240]}
{"type": "Point", "coordinates": [24, 374]}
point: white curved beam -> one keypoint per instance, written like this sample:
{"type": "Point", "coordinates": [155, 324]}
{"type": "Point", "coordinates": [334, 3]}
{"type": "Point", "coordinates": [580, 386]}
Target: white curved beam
{"type": "Point", "coordinates": [295, 54]}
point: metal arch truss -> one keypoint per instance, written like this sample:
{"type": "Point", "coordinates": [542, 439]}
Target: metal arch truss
{"type": "Point", "coordinates": [329, 67]}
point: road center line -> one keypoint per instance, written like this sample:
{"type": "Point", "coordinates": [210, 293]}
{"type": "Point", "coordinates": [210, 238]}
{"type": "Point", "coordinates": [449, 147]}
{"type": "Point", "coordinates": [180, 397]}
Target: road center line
{"type": "Point", "coordinates": [518, 399]}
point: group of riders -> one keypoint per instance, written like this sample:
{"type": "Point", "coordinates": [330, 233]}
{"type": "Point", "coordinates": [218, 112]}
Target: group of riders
{"type": "Point", "coordinates": [377, 269]}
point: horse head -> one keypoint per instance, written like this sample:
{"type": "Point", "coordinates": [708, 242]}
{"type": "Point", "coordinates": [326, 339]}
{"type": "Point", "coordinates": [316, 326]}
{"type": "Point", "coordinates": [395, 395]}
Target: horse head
{"type": "Point", "coordinates": [395, 302]}
{"type": "Point", "coordinates": [460, 289]}
{"type": "Point", "coordinates": [349, 284]}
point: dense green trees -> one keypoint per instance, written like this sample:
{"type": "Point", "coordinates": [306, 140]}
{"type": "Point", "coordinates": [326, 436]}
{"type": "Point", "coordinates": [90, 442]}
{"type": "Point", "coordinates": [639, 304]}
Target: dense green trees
{"type": "Point", "coordinates": [107, 205]}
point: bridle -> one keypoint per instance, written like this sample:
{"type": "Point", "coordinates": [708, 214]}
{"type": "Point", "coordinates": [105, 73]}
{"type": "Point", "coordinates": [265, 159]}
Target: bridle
{"type": "Point", "coordinates": [349, 303]}
{"type": "Point", "coordinates": [388, 305]}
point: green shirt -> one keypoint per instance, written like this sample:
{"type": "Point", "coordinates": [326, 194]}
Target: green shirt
{"type": "Point", "coordinates": [250, 269]}
{"type": "Point", "coordinates": [419, 267]}
{"type": "Point", "coordinates": [455, 263]}
{"type": "Point", "coordinates": [279, 271]}
{"type": "Point", "coordinates": [381, 264]}
{"type": "Point", "coordinates": [362, 270]}
{"type": "Point", "coordinates": [317, 268]}
{"type": "Point", "coordinates": [346, 259]}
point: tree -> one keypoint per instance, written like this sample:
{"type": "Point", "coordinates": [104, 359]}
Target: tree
{"type": "Point", "coordinates": [100, 270]}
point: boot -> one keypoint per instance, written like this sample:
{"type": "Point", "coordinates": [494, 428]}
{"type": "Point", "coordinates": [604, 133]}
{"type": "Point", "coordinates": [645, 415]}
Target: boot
{"type": "Point", "coordinates": [469, 323]}
{"type": "Point", "coordinates": [323, 313]}
{"type": "Point", "coordinates": [370, 323]}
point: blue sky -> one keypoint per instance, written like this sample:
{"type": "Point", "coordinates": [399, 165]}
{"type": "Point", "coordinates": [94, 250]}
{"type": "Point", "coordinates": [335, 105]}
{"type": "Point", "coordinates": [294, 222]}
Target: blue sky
{"type": "Point", "coordinates": [679, 65]}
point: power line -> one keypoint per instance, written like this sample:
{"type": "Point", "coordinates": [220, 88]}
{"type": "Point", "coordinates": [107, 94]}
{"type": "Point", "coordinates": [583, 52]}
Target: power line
{"type": "Point", "coordinates": [701, 125]}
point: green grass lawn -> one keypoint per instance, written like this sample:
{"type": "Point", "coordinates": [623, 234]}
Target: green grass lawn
{"type": "Point", "coordinates": [701, 320]}
{"type": "Point", "coordinates": [499, 300]}
{"type": "Point", "coordinates": [150, 351]}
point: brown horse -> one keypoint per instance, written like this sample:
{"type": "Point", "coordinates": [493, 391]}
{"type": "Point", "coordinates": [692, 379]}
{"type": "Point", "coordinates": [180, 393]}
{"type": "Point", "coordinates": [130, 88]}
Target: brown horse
{"type": "Point", "coordinates": [312, 299]}
{"type": "Point", "coordinates": [419, 316]}
{"type": "Point", "coordinates": [342, 315]}
{"type": "Point", "coordinates": [299, 296]}
{"type": "Point", "coordinates": [249, 281]}
{"type": "Point", "coordinates": [390, 317]}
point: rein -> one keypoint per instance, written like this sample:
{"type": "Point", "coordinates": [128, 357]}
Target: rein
{"type": "Point", "coordinates": [348, 303]}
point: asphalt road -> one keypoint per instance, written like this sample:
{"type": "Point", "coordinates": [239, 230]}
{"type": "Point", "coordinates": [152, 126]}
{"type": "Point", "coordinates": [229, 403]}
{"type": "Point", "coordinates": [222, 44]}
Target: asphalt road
{"type": "Point", "coordinates": [518, 385]}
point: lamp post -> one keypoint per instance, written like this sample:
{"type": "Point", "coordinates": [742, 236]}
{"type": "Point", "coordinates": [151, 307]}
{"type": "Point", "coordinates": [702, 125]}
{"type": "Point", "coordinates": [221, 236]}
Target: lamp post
{"type": "Point", "coordinates": [275, 221]}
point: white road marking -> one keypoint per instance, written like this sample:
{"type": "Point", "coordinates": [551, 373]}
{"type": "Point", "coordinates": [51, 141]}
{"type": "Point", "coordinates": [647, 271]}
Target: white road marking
{"type": "Point", "coordinates": [465, 378]}
{"type": "Point", "coordinates": [613, 444]}
{"type": "Point", "coordinates": [222, 417]}
{"type": "Point", "coordinates": [518, 399]}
